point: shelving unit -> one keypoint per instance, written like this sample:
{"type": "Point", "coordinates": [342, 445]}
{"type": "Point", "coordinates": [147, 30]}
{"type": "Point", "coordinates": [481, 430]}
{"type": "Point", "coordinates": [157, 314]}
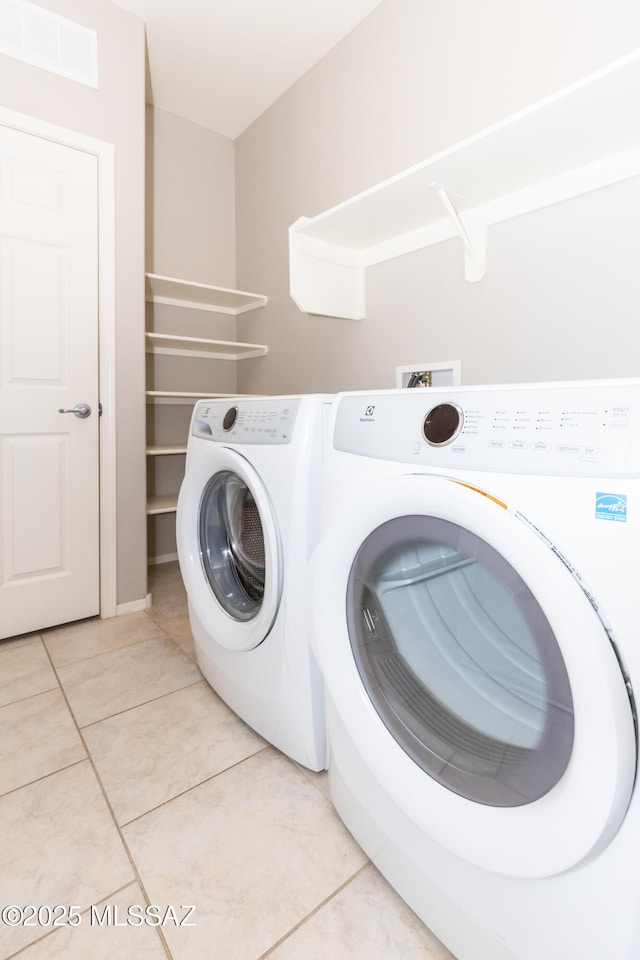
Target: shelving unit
{"type": "Point", "coordinates": [579, 139]}
{"type": "Point", "coordinates": [175, 292]}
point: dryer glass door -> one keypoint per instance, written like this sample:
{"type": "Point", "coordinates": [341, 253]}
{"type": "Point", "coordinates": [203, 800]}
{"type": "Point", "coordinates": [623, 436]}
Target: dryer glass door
{"type": "Point", "coordinates": [460, 661]}
{"type": "Point", "coordinates": [232, 545]}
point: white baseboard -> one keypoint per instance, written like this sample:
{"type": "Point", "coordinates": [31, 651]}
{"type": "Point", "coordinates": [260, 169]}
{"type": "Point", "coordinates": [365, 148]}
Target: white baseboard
{"type": "Point", "coordinates": [133, 606]}
{"type": "Point", "coordinates": [163, 558]}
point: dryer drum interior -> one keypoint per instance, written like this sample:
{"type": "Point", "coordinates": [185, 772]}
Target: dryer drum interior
{"type": "Point", "coordinates": [232, 545]}
{"type": "Point", "coordinates": [459, 661]}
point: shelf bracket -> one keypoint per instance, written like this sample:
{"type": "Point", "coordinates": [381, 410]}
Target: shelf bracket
{"type": "Point", "coordinates": [473, 238]}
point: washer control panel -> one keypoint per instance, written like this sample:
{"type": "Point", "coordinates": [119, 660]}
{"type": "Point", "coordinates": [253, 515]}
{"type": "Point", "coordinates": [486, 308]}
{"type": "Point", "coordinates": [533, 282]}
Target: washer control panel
{"type": "Point", "coordinates": [260, 420]}
{"type": "Point", "coordinates": [580, 429]}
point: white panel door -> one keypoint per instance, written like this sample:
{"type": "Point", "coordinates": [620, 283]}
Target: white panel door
{"type": "Point", "coordinates": [49, 507]}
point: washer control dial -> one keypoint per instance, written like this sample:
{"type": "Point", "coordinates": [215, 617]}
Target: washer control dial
{"type": "Point", "coordinates": [230, 418]}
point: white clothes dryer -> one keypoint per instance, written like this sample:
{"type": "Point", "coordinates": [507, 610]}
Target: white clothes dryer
{"type": "Point", "coordinates": [247, 522]}
{"type": "Point", "coordinates": [476, 611]}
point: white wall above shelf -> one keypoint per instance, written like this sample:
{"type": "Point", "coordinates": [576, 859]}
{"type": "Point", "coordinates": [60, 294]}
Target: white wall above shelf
{"type": "Point", "coordinates": [177, 346]}
{"type": "Point", "coordinates": [200, 296]}
{"type": "Point", "coordinates": [581, 138]}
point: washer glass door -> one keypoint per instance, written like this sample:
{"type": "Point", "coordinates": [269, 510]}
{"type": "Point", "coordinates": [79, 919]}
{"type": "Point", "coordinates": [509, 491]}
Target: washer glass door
{"type": "Point", "coordinates": [232, 545]}
{"type": "Point", "coordinates": [460, 661]}
{"type": "Point", "coordinates": [229, 548]}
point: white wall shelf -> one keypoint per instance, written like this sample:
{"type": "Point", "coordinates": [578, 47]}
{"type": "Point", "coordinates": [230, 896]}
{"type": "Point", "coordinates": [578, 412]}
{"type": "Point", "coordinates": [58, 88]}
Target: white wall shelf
{"type": "Point", "coordinates": [177, 346]}
{"type": "Point", "coordinates": [166, 504]}
{"type": "Point", "coordinates": [200, 296]}
{"type": "Point", "coordinates": [184, 397]}
{"type": "Point", "coordinates": [579, 139]}
{"type": "Point", "coordinates": [166, 450]}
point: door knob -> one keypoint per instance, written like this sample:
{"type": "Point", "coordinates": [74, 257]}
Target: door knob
{"type": "Point", "coordinates": [81, 410]}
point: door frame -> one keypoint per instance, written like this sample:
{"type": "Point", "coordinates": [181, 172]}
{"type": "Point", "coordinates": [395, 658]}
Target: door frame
{"type": "Point", "coordinates": [105, 153]}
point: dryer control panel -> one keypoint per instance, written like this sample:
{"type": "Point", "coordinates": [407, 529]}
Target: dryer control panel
{"type": "Point", "coordinates": [261, 420]}
{"type": "Point", "coordinates": [571, 429]}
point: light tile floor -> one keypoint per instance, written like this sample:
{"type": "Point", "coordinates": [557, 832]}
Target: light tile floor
{"type": "Point", "coordinates": [126, 782]}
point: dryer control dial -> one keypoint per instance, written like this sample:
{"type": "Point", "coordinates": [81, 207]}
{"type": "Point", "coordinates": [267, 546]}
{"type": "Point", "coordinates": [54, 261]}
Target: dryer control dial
{"type": "Point", "coordinates": [442, 424]}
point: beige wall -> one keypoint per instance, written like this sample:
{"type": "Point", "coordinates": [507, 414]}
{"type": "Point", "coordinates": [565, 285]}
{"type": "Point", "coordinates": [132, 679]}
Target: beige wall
{"type": "Point", "coordinates": [190, 201]}
{"type": "Point", "coordinates": [114, 113]}
{"type": "Point", "coordinates": [561, 296]}
{"type": "Point", "coordinates": [190, 235]}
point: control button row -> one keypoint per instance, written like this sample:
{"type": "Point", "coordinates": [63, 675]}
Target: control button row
{"type": "Point", "coordinates": [541, 447]}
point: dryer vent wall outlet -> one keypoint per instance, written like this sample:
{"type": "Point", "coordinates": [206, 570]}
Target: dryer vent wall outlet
{"type": "Point", "coordinates": [444, 373]}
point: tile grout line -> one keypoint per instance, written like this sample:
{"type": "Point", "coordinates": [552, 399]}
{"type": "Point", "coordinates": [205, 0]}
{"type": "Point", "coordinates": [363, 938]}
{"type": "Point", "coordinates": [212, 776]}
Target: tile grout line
{"type": "Point", "coordinates": [313, 912]}
{"type": "Point", "coordinates": [160, 696]}
{"type": "Point", "coordinates": [158, 623]}
{"type": "Point", "coordinates": [50, 933]}
{"type": "Point", "coordinates": [45, 776]}
{"type": "Point", "coordinates": [194, 786]}
{"type": "Point", "coordinates": [124, 646]}
{"type": "Point", "coordinates": [25, 639]}
{"type": "Point", "coordinates": [30, 696]}
{"type": "Point", "coordinates": [136, 706]}
{"type": "Point", "coordinates": [34, 638]}
{"type": "Point", "coordinates": [123, 841]}
{"type": "Point", "coordinates": [58, 689]}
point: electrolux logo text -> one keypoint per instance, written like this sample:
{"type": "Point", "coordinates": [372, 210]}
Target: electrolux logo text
{"type": "Point", "coordinates": [368, 415]}
{"type": "Point", "coordinates": [611, 506]}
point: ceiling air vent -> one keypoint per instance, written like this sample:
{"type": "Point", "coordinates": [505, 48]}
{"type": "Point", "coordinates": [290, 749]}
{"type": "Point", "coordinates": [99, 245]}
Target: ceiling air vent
{"type": "Point", "coordinates": [45, 40]}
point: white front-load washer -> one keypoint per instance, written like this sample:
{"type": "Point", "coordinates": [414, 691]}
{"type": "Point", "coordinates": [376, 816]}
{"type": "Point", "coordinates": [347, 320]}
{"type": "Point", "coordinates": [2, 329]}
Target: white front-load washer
{"type": "Point", "coordinates": [247, 522]}
{"type": "Point", "coordinates": [476, 605]}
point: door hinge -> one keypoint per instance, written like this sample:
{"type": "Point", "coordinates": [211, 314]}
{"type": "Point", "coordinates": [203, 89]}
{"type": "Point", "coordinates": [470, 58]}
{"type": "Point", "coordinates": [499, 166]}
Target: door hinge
{"type": "Point", "coordinates": [99, 409]}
